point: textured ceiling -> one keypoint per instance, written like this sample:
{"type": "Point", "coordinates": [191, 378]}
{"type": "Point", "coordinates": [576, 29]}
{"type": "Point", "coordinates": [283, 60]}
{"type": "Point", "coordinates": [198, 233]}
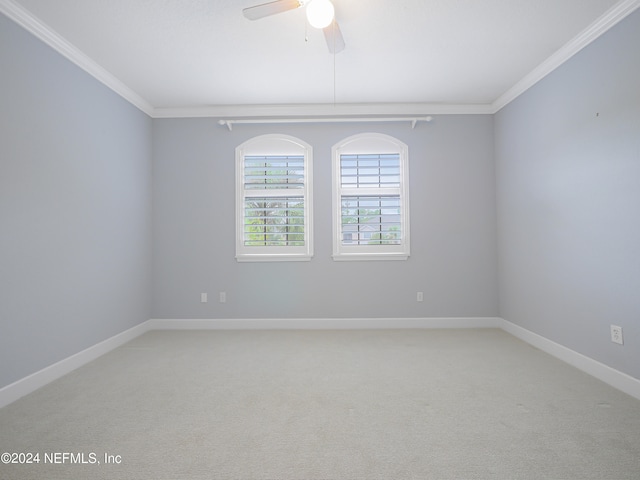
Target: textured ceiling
{"type": "Point", "coordinates": [199, 53]}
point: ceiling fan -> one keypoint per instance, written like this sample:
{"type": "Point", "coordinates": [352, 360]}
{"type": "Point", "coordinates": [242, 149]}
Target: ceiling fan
{"type": "Point", "coordinates": [320, 14]}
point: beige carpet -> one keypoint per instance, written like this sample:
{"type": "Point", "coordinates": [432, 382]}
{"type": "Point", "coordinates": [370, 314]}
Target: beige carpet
{"type": "Point", "coordinates": [399, 404]}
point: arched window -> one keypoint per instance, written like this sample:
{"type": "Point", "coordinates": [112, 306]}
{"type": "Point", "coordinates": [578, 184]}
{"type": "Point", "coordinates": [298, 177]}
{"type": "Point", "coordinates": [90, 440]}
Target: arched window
{"type": "Point", "coordinates": [273, 199]}
{"type": "Point", "coordinates": [370, 198]}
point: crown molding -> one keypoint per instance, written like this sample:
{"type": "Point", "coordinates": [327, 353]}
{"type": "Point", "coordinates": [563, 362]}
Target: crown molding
{"type": "Point", "coordinates": [323, 110]}
{"type": "Point", "coordinates": [610, 18]}
{"type": "Point", "coordinates": [40, 30]}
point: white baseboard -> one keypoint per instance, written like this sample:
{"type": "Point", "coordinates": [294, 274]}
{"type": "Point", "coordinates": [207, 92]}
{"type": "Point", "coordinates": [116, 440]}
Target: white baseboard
{"type": "Point", "coordinates": [12, 392]}
{"type": "Point", "coordinates": [26, 385]}
{"type": "Point", "coordinates": [608, 375]}
{"type": "Point", "coordinates": [33, 382]}
{"type": "Point", "coordinates": [324, 323]}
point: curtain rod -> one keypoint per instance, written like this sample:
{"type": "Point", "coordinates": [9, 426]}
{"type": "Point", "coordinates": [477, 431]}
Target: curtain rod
{"type": "Point", "coordinates": [414, 120]}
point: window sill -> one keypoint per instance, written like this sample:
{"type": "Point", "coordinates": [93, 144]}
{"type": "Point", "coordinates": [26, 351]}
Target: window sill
{"type": "Point", "coordinates": [273, 258]}
{"type": "Point", "coordinates": [355, 257]}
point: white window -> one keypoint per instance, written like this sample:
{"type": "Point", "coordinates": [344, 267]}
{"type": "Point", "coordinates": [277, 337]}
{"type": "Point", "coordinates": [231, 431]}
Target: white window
{"type": "Point", "coordinates": [370, 198]}
{"type": "Point", "coordinates": [273, 199]}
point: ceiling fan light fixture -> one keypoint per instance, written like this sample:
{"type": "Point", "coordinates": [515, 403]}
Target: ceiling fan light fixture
{"type": "Point", "coordinates": [320, 13]}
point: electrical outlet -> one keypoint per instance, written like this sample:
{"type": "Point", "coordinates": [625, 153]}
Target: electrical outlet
{"type": "Point", "coordinates": [223, 297]}
{"type": "Point", "coordinates": [419, 297]}
{"type": "Point", "coordinates": [616, 334]}
{"type": "Point", "coordinates": [203, 298]}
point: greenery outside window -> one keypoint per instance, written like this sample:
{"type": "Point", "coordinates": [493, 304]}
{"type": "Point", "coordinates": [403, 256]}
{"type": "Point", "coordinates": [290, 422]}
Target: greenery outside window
{"type": "Point", "coordinates": [273, 199]}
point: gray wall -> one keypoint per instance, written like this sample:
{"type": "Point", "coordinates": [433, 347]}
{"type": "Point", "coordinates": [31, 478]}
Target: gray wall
{"type": "Point", "coordinates": [453, 245]}
{"type": "Point", "coordinates": [568, 189]}
{"type": "Point", "coordinates": [75, 208]}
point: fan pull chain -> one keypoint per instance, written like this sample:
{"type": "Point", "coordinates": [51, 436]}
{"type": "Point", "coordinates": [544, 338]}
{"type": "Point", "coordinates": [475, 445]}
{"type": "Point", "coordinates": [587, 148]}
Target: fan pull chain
{"type": "Point", "coordinates": [333, 28]}
{"type": "Point", "coordinates": [306, 31]}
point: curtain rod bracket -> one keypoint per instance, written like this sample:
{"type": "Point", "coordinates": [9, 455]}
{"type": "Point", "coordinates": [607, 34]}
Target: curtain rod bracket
{"type": "Point", "coordinates": [228, 123]}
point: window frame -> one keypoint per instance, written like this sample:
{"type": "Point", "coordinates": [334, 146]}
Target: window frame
{"type": "Point", "coordinates": [362, 144]}
{"type": "Point", "coordinates": [274, 145]}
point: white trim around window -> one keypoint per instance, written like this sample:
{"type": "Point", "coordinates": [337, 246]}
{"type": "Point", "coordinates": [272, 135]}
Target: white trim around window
{"type": "Point", "coordinates": [370, 198]}
{"type": "Point", "coordinates": [274, 199]}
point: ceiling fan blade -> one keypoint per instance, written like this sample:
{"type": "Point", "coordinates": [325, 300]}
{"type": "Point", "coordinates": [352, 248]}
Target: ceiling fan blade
{"type": "Point", "coordinates": [271, 8]}
{"type": "Point", "coordinates": [334, 38]}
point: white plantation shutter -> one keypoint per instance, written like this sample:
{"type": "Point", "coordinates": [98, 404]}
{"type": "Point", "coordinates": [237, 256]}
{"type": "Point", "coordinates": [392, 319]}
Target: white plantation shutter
{"type": "Point", "coordinates": [273, 199]}
{"type": "Point", "coordinates": [371, 215]}
{"type": "Point", "coordinates": [273, 172]}
{"type": "Point", "coordinates": [370, 199]}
